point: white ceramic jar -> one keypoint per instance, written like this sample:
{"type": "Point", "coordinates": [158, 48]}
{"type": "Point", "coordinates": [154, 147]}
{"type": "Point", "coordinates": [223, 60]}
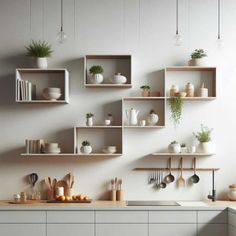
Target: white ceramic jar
{"type": "Point", "coordinates": [173, 90]}
{"type": "Point", "coordinates": [152, 119]}
{"type": "Point", "coordinates": [118, 79]}
{"type": "Point", "coordinates": [189, 89]}
{"type": "Point", "coordinates": [89, 121]}
{"type": "Point", "coordinates": [205, 147]}
{"type": "Point", "coordinates": [96, 78]}
{"type": "Point", "coordinates": [232, 194]}
{"type": "Point", "coordinates": [41, 63]}
{"type": "Point", "coordinates": [174, 147]}
{"type": "Point", "coordinates": [86, 149]}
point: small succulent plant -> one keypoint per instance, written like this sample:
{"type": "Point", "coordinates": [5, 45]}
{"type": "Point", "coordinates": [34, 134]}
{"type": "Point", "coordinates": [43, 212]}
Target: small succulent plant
{"type": "Point", "coordinates": [85, 143]}
{"type": "Point", "coordinates": [145, 87]}
{"type": "Point", "coordinates": [96, 70]}
{"type": "Point", "coordinates": [89, 115]}
{"type": "Point", "coordinates": [183, 145]}
{"type": "Point", "coordinates": [198, 53]}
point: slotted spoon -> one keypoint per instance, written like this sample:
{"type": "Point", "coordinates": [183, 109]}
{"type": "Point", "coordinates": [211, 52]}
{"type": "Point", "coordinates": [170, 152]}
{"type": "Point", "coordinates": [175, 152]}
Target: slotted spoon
{"type": "Point", "coordinates": [181, 180]}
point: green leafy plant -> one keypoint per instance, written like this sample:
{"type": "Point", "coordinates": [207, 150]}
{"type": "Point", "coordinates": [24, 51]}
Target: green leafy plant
{"type": "Point", "coordinates": [39, 49]}
{"type": "Point", "coordinates": [85, 143]}
{"type": "Point", "coordinates": [145, 87]}
{"type": "Point", "coordinates": [176, 107]}
{"type": "Point", "coordinates": [89, 115]}
{"type": "Point", "coordinates": [174, 142]}
{"type": "Point", "coordinates": [152, 112]}
{"type": "Point", "coordinates": [198, 53]}
{"type": "Point", "coordinates": [96, 70]}
{"type": "Point", "coordinates": [204, 135]}
{"type": "Point", "coordinates": [183, 145]}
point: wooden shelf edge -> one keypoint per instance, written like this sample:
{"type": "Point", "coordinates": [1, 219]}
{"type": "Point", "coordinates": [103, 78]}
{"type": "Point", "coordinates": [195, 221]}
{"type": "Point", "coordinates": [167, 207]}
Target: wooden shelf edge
{"type": "Point", "coordinates": [43, 102]}
{"type": "Point", "coordinates": [108, 85]}
{"type": "Point", "coordinates": [174, 169]}
{"type": "Point", "coordinates": [181, 154]}
{"type": "Point", "coordinates": [143, 127]}
{"type": "Point", "coordinates": [99, 127]}
{"type": "Point", "coordinates": [196, 98]}
{"type": "Point", "coordinates": [70, 154]}
{"type": "Point", "coordinates": [142, 98]}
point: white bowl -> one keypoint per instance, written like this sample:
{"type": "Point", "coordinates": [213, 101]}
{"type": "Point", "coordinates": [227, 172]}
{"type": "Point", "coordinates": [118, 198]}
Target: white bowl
{"type": "Point", "coordinates": [109, 149]}
{"type": "Point", "coordinates": [49, 89]}
{"type": "Point", "coordinates": [51, 145]}
{"type": "Point", "coordinates": [52, 151]}
{"type": "Point", "coordinates": [52, 95]}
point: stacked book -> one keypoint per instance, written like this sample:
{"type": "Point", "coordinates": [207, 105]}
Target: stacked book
{"type": "Point", "coordinates": [34, 146]}
{"type": "Point", "coordinates": [25, 90]}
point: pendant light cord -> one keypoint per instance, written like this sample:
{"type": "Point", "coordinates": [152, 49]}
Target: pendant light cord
{"type": "Point", "coordinates": [219, 19]}
{"type": "Point", "coordinates": [177, 17]}
{"type": "Point", "coordinates": [61, 15]}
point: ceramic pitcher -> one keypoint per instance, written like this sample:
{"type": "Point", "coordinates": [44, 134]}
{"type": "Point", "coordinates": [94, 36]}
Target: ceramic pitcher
{"type": "Point", "coordinates": [132, 116]}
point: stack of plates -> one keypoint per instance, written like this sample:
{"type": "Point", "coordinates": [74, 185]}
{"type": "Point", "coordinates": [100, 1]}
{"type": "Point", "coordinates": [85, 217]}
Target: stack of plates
{"type": "Point", "coordinates": [52, 148]}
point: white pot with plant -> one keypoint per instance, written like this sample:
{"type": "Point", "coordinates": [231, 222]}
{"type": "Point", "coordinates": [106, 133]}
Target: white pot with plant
{"type": "Point", "coordinates": [40, 51]}
{"type": "Point", "coordinates": [86, 147]}
{"type": "Point", "coordinates": [204, 138]}
{"type": "Point", "coordinates": [174, 147]}
{"type": "Point", "coordinates": [152, 118]}
{"type": "Point", "coordinates": [89, 119]}
{"type": "Point", "coordinates": [176, 108]}
{"type": "Point", "coordinates": [184, 148]}
{"type": "Point", "coordinates": [198, 58]}
{"type": "Point", "coordinates": [111, 118]}
{"type": "Point", "coordinates": [145, 90]}
{"type": "Point", "coordinates": [96, 76]}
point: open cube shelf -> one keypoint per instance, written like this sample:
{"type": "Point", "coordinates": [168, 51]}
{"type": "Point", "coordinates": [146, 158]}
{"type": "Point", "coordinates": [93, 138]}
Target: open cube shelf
{"type": "Point", "coordinates": [111, 64]}
{"type": "Point", "coordinates": [43, 78]}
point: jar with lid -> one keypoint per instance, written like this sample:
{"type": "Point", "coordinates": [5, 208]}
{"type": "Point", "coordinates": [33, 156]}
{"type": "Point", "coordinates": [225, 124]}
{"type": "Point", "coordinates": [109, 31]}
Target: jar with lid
{"type": "Point", "coordinates": [189, 89]}
{"type": "Point", "coordinates": [173, 90]}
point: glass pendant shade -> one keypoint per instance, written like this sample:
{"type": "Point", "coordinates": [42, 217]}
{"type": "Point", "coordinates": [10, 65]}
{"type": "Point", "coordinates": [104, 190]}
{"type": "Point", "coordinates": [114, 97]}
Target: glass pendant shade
{"type": "Point", "coordinates": [219, 43]}
{"type": "Point", "coordinates": [61, 37]}
{"type": "Point", "coordinates": [178, 40]}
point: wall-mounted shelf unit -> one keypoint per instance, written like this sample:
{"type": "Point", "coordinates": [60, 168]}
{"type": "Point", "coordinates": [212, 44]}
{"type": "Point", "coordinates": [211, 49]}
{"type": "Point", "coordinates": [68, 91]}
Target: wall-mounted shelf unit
{"type": "Point", "coordinates": [144, 105]}
{"type": "Point", "coordinates": [70, 155]}
{"type": "Point", "coordinates": [181, 75]}
{"type": "Point", "coordinates": [40, 79]}
{"type": "Point", "coordinates": [111, 64]}
{"type": "Point", "coordinates": [164, 154]}
{"type": "Point", "coordinates": [99, 136]}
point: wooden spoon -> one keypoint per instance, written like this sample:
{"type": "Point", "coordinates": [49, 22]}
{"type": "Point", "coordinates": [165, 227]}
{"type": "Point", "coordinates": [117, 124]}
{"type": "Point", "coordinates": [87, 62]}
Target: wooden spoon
{"type": "Point", "coordinates": [181, 180]}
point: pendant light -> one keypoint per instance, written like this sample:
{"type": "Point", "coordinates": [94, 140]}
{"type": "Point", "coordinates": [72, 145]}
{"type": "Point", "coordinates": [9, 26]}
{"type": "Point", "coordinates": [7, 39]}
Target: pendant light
{"type": "Point", "coordinates": [219, 39]}
{"type": "Point", "coordinates": [61, 36]}
{"type": "Point", "coordinates": [178, 40]}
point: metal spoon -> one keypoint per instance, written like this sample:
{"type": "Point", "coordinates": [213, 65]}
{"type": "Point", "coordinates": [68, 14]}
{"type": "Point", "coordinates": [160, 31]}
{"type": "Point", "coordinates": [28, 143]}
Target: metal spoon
{"type": "Point", "coordinates": [33, 178]}
{"type": "Point", "coordinates": [194, 178]}
{"type": "Point", "coordinates": [169, 178]}
{"type": "Point", "coordinates": [162, 184]}
{"type": "Point", "coordinates": [181, 180]}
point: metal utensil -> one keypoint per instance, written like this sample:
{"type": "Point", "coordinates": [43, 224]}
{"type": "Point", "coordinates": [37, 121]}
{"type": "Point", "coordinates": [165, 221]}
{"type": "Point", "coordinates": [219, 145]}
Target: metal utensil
{"type": "Point", "coordinates": [162, 183]}
{"type": "Point", "coordinates": [33, 178]}
{"type": "Point", "coordinates": [181, 180]}
{"type": "Point", "coordinates": [169, 178]}
{"type": "Point", "coordinates": [194, 178]}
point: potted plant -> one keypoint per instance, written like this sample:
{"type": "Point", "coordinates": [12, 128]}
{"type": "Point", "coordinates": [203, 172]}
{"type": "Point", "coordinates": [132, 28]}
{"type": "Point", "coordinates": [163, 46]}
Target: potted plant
{"type": "Point", "coordinates": [183, 148]}
{"type": "Point", "coordinates": [40, 50]}
{"type": "Point", "coordinates": [174, 147]}
{"type": "Point", "coordinates": [89, 119]}
{"type": "Point", "coordinates": [111, 118]}
{"type": "Point", "coordinates": [198, 58]}
{"type": "Point", "coordinates": [96, 76]}
{"type": "Point", "coordinates": [145, 90]}
{"type": "Point", "coordinates": [152, 118]}
{"type": "Point", "coordinates": [204, 138]}
{"type": "Point", "coordinates": [86, 147]}
{"type": "Point", "coordinates": [176, 107]}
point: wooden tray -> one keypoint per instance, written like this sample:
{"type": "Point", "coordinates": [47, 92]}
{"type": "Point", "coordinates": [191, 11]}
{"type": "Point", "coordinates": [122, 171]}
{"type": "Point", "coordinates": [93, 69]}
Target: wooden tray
{"type": "Point", "coordinates": [27, 202]}
{"type": "Point", "coordinates": [69, 201]}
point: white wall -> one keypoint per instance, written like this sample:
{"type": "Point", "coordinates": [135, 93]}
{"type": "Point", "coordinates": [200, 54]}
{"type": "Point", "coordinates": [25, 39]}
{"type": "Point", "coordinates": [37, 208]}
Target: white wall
{"type": "Point", "coordinates": [144, 29]}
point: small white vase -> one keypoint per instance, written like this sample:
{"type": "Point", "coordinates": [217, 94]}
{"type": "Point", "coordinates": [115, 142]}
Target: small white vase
{"type": "Point", "coordinates": [198, 62]}
{"type": "Point", "coordinates": [89, 121]}
{"type": "Point", "coordinates": [96, 78]}
{"type": "Point", "coordinates": [174, 148]}
{"type": "Point", "coordinates": [152, 119]}
{"type": "Point", "coordinates": [86, 149]}
{"type": "Point", "coordinates": [184, 150]}
{"type": "Point", "coordinates": [192, 149]}
{"type": "Point", "coordinates": [41, 63]}
{"type": "Point", "coordinates": [205, 147]}
{"type": "Point", "coordinates": [118, 79]}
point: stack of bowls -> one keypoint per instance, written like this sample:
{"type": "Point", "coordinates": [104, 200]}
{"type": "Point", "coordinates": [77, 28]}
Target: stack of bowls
{"type": "Point", "coordinates": [109, 149]}
{"type": "Point", "coordinates": [52, 94]}
{"type": "Point", "coordinates": [52, 148]}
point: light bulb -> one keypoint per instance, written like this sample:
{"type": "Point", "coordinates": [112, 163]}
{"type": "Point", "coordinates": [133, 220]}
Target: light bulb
{"type": "Point", "coordinates": [61, 37]}
{"type": "Point", "coordinates": [219, 43]}
{"type": "Point", "coordinates": [178, 40]}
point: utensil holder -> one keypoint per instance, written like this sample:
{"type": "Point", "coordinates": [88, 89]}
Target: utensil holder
{"type": "Point", "coordinates": [120, 195]}
{"type": "Point", "coordinates": [113, 195]}
{"type": "Point", "coordinates": [70, 192]}
{"type": "Point", "coordinates": [50, 195]}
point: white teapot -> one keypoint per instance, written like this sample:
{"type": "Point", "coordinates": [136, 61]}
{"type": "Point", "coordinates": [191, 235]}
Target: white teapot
{"type": "Point", "coordinates": [132, 116]}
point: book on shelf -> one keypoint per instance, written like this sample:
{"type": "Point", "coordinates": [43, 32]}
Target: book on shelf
{"type": "Point", "coordinates": [25, 90]}
{"type": "Point", "coordinates": [34, 146]}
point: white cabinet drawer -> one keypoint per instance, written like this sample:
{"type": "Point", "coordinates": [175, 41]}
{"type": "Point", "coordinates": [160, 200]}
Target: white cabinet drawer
{"type": "Point", "coordinates": [22, 217]}
{"type": "Point", "coordinates": [121, 217]}
{"type": "Point", "coordinates": [70, 217]}
{"type": "Point", "coordinates": [212, 230]}
{"type": "Point", "coordinates": [172, 217]}
{"type": "Point", "coordinates": [213, 217]}
{"type": "Point", "coordinates": [232, 219]}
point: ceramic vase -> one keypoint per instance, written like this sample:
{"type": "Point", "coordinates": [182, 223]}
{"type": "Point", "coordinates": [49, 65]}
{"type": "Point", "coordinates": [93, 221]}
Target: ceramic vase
{"type": "Point", "coordinates": [152, 119]}
{"type": "Point", "coordinates": [118, 79]}
{"type": "Point", "coordinates": [96, 78]}
{"type": "Point", "coordinates": [198, 62]}
{"type": "Point", "coordinates": [86, 149]}
{"type": "Point", "coordinates": [41, 63]}
{"type": "Point", "coordinates": [145, 93]}
{"type": "Point", "coordinates": [174, 148]}
{"type": "Point", "coordinates": [205, 147]}
{"type": "Point", "coordinates": [89, 121]}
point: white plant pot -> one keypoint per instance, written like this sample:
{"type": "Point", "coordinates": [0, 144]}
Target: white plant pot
{"type": "Point", "coordinates": [89, 121]}
{"type": "Point", "coordinates": [41, 63]}
{"type": "Point", "coordinates": [184, 150]}
{"type": "Point", "coordinates": [152, 119]}
{"type": "Point", "coordinates": [232, 194]}
{"type": "Point", "coordinates": [198, 62]}
{"type": "Point", "coordinates": [174, 148]}
{"type": "Point", "coordinates": [96, 79]}
{"type": "Point", "coordinates": [86, 149]}
{"type": "Point", "coordinates": [205, 147]}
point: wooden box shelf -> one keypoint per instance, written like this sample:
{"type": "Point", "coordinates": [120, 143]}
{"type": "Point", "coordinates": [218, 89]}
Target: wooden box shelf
{"type": "Point", "coordinates": [43, 78]}
{"type": "Point", "coordinates": [111, 64]}
{"type": "Point", "coordinates": [181, 75]}
{"type": "Point", "coordinates": [167, 155]}
{"type": "Point", "coordinates": [144, 105]}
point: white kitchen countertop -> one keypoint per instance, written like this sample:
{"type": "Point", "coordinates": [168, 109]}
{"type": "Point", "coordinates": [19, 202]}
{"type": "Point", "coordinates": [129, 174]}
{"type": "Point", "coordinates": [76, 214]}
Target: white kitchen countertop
{"type": "Point", "coordinates": [109, 205]}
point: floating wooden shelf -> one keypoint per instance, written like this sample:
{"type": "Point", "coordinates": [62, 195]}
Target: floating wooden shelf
{"type": "Point", "coordinates": [164, 154]}
{"type": "Point", "coordinates": [143, 127]}
{"type": "Point", "coordinates": [196, 98]}
{"type": "Point", "coordinates": [44, 102]}
{"type": "Point", "coordinates": [190, 68]}
{"type": "Point", "coordinates": [70, 155]}
{"type": "Point", "coordinates": [99, 127]}
{"type": "Point", "coordinates": [175, 169]}
{"type": "Point", "coordinates": [111, 64]}
{"type": "Point", "coordinates": [142, 98]}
